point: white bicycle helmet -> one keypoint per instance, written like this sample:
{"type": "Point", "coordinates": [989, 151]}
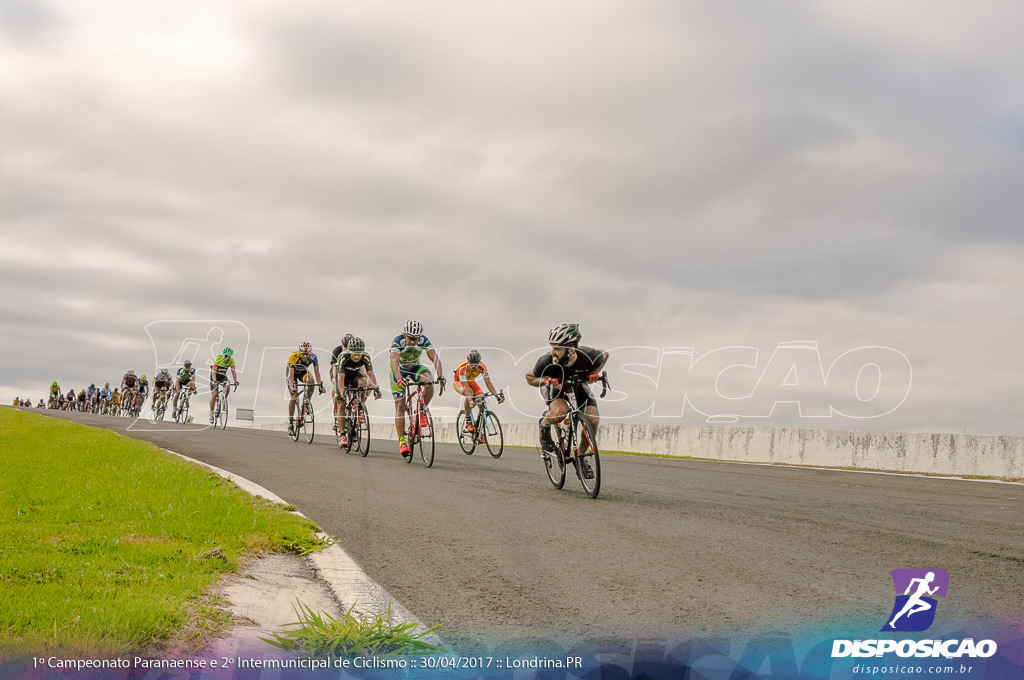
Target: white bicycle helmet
{"type": "Point", "coordinates": [356, 345]}
{"type": "Point", "coordinates": [565, 335]}
{"type": "Point", "coordinates": [413, 327]}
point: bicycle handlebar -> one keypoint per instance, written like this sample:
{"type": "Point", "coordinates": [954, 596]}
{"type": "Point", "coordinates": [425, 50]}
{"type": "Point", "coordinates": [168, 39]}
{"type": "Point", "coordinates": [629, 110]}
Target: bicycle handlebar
{"type": "Point", "coordinates": [413, 384]}
{"type": "Point", "coordinates": [575, 381]}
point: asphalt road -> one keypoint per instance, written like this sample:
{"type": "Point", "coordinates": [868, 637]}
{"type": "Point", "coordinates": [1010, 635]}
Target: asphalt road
{"type": "Point", "coordinates": [671, 548]}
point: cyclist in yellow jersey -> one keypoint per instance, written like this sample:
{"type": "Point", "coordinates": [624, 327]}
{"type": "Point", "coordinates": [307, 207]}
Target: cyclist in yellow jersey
{"type": "Point", "coordinates": [298, 371]}
{"type": "Point", "coordinates": [465, 383]}
{"type": "Point", "coordinates": [219, 374]}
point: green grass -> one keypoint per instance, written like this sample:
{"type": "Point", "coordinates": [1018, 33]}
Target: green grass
{"type": "Point", "coordinates": [351, 636]}
{"type": "Point", "coordinates": [108, 545]}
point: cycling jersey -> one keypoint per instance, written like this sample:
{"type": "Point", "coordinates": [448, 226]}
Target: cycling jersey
{"type": "Point", "coordinates": [186, 374]}
{"type": "Point", "coordinates": [466, 372]}
{"type": "Point", "coordinates": [349, 365]}
{"type": "Point", "coordinates": [105, 393]}
{"type": "Point", "coordinates": [352, 369]}
{"type": "Point", "coordinates": [129, 380]}
{"type": "Point", "coordinates": [301, 364]}
{"type": "Point", "coordinates": [335, 353]}
{"type": "Point", "coordinates": [221, 366]}
{"type": "Point", "coordinates": [588, 360]}
{"type": "Point", "coordinates": [409, 355]}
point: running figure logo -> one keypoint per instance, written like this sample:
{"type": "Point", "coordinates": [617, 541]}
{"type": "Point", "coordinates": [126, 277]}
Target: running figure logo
{"type": "Point", "coordinates": [914, 610]}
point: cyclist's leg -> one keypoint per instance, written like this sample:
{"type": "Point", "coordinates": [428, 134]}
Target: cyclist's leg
{"type": "Point", "coordinates": [424, 375]}
{"type": "Point", "coordinates": [214, 379]}
{"type": "Point", "coordinates": [592, 415]}
{"type": "Point", "coordinates": [555, 413]}
{"type": "Point", "coordinates": [399, 397]}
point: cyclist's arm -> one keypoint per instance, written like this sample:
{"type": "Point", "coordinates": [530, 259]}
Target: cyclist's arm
{"type": "Point", "coordinates": [533, 380]}
{"type": "Point", "coordinates": [490, 385]}
{"type": "Point", "coordinates": [395, 369]}
{"type": "Point", "coordinates": [372, 378]}
{"type": "Point", "coordinates": [436, 358]}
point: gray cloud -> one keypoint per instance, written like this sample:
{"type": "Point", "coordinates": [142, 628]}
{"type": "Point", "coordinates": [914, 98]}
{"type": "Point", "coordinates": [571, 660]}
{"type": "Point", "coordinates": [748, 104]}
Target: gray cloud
{"type": "Point", "coordinates": [666, 174]}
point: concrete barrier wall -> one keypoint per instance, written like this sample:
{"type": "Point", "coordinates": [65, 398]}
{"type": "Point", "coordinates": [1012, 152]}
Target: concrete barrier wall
{"type": "Point", "coordinates": [944, 454]}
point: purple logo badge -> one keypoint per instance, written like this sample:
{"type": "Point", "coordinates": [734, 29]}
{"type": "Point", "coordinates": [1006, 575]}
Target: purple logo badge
{"type": "Point", "coordinates": [916, 590]}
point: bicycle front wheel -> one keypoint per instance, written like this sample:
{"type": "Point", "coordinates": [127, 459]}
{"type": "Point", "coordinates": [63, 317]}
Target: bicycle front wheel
{"type": "Point", "coordinates": [586, 457]}
{"type": "Point", "coordinates": [222, 416]}
{"type": "Point", "coordinates": [554, 462]}
{"type": "Point", "coordinates": [426, 442]}
{"type": "Point", "coordinates": [495, 438]}
{"type": "Point", "coordinates": [467, 440]}
{"type": "Point", "coordinates": [307, 421]}
{"type": "Point", "coordinates": [362, 430]}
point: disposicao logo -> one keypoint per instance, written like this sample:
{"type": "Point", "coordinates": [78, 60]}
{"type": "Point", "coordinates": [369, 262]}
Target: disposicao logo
{"type": "Point", "coordinates": [914, 609]}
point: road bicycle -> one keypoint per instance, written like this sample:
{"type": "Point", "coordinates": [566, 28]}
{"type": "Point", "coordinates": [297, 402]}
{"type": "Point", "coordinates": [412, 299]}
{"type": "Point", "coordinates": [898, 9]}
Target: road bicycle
{"type": "Point", "coordinates": [575, 442]}
{"type": "Point", "coordinates": [304, 419]}
{"type": "Point", "coordinates": [486, 427]}
{"type": "Point", "coordinates": [356, 421]}
{"type": "Point", "coordinates": [220, 410]}
{"type": "Point", "coordinates": [128, 407]}
{"type": "Point", "coordinates": [181, 413]}
{"type": "Point", "coordinates": [159, 404]}
{"type": "Point", "coordinates": [419, 423]}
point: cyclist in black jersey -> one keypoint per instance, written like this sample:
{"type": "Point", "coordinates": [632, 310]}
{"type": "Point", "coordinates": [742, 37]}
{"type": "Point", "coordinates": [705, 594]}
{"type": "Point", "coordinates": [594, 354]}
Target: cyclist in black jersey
{"type": "Point", "coordinates": [567, 359]}
{"type": "Point", "coordinates": [353, 369]}
{"type": "Point", "coordinates": [186, 378]}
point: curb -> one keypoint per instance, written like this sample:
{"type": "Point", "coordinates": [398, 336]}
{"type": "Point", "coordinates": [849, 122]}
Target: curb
{"type": "Point", "coordinates": [351, 587]}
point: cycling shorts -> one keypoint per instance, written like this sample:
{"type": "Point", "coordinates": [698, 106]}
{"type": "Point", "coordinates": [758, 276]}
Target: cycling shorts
{"type": "Point", "coordinates": [474, 389]}
{"type": "Point", "coordinates": [412, 373]}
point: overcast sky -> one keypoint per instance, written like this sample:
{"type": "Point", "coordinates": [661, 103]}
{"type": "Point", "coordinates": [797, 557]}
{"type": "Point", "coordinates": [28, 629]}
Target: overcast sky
{"type": "Point", "coordinates": [670, 174]}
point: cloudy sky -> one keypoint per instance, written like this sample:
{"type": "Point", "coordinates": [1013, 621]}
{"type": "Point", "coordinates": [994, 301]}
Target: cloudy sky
{"type": "Point", "coordinates": [723, 176]}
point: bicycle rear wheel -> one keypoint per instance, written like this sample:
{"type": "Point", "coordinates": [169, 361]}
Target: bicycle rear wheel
{"type": "Point", "coordinates": [362, 430]}
{"type": "Point", "coordinates": [307, 421]}
{"type": "Point", "coordinates": [426, 442]}
{"type": "Point", "coordinates": [554, 462]}
{"type": "Point", "coordinates": [467, 440]}
{"type": "Point", "coordinates": [586, 455]}
{"type": "Point", "coordinates": [495, 438]}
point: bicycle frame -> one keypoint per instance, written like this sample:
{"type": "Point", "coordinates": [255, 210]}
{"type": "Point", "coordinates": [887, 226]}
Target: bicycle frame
{"type": "Point", "coordinates": [415, 406]}
{"type": "Point", "coordinates": [486, 427]}
{"type": "Point", "coordinates": [568, 443]}
{"type": "Point", "coordinates": [304, 418]}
